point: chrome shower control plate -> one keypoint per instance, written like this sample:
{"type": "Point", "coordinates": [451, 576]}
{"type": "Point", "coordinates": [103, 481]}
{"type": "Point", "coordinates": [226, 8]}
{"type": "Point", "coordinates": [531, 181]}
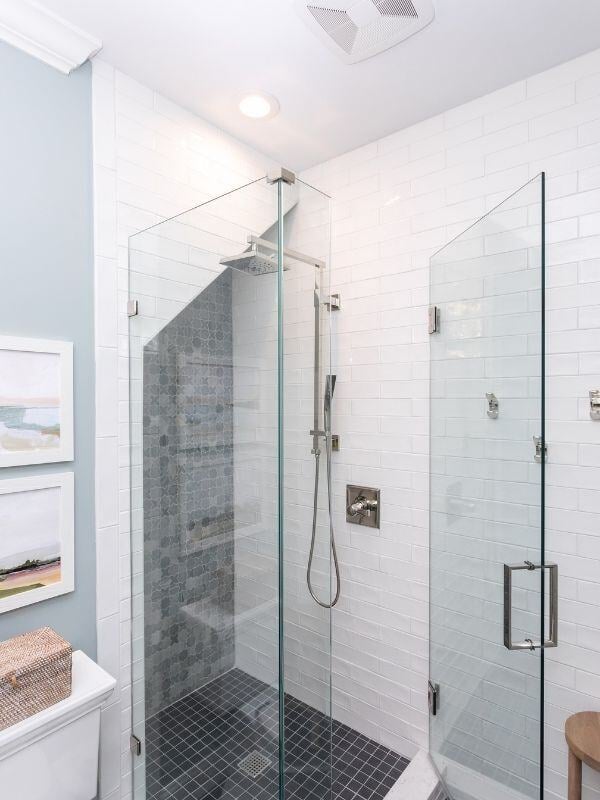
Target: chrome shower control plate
{"type": "Point", "coordinates": [362, 506]}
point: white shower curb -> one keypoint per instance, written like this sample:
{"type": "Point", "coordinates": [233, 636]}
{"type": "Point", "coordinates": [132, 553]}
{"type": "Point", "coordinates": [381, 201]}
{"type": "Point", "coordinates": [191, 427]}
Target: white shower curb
{"type": "Point", "coordinates": [419, 781]}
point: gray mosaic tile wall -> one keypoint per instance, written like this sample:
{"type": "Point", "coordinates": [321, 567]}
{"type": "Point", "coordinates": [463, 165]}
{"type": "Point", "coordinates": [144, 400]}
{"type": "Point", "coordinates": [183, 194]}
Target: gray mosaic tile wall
{"type": "Point", "coordinates": [188, 498]}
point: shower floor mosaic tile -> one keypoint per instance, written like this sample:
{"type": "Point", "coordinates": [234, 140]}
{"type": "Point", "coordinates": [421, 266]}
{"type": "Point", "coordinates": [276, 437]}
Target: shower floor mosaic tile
{"type": "Point", "coordinates": [221, 743]}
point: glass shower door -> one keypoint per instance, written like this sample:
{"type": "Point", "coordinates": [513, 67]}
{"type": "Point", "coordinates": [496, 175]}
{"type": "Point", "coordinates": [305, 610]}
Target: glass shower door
{"type": "Point", "coordinates": [487, 571]}
{"type": "Point", "coordinates": [200, 424]}
{"type": "Point", "coordinates": [230, 698]}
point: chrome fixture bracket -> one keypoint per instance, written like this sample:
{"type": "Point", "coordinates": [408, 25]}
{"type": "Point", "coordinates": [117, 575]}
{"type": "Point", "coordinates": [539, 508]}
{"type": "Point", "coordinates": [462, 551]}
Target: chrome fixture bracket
{"type": "Point", "coordinates": [318, 434]}
{"type": "Point", "coordinates": [333, 304]}
{"type": "Point", "coordinates": [133, 308]}
{"type": "Point", "coordinates": [281, 174]}
{"type": "Point", "coordinates": [493, 405]}
{"type": "Point", "coordinates": [530, 644]}
{"type": "Point", "coordinates": [135, 745]}
{"type": "Point", "coordinates": [433, 698]}
{"type": "Point", "coordinates": [433, 319]}
{"type": "Point", "coordinates": [363, 506]}
{"type": "Point", "coordinates": [595, 404]}
{"type": "Point", "coordinates": [539, 444]}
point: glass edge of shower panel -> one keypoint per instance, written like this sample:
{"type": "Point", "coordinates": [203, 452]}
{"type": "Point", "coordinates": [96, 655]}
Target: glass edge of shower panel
{"type": "Point", "coordinates": [204, 203]}
{"type": "Point", "coordinates": [137, 720]}
{"type": "Point", "coordinates": [314, 188]}
{"type": "Point", "coordinates": [542, 178]}
{"type": "Point", "coordinates": [538, 176]}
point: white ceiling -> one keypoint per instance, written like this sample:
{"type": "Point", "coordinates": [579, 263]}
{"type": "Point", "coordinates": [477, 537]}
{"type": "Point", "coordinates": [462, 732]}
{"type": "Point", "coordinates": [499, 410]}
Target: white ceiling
{"type": "Point", "coordinates": [204, 55]}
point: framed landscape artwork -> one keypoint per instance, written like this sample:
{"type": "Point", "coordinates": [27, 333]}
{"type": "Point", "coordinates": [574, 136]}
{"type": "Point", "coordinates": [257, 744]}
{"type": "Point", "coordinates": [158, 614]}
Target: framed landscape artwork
{"type": "Point", "coordinates": [36, 401]}
{"type": "Point", "coordinates": [36, 539]}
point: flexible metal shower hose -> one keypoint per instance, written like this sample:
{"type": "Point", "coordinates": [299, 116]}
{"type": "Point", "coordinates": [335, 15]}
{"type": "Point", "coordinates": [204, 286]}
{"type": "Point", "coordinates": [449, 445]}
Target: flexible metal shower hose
{"type": "Point", "coordinates": [331, 531]}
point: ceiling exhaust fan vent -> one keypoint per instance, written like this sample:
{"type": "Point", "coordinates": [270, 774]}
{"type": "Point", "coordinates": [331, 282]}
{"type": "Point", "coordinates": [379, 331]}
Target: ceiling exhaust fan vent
{"type": "Point", "coordinates": [336, 24]}
{"type": "Point", "coordinates": [359, 29]}
{"type": "Point", "coordinates": [397, 8]}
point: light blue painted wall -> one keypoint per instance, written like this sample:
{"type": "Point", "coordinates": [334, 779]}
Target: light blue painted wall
{"type": "Point", "coordinates": [47, 284]}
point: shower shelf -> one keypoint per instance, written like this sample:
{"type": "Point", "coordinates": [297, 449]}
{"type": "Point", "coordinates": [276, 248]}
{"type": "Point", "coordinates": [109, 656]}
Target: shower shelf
{"type": "Point", "coordinates": [243, 532]}
{"type": "Point", "coordinates": [219, 620]}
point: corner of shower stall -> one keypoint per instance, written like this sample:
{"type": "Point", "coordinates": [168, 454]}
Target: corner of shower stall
{"type": "Point", "coordinates": [228, 354]}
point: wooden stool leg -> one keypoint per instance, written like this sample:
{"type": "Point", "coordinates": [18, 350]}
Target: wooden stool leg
{"type": "Point", "coordinates": [574, 777]}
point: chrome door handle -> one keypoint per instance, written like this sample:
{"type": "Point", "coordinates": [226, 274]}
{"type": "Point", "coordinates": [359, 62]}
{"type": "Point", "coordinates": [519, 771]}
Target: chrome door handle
{"type": "Point", "coordinates": [530, 644]}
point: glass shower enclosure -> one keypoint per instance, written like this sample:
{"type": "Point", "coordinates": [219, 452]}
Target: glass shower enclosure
{"type": "Point", "coordinates": [492, 595]}
{"type": "Point", "coordinates": [229, 359]}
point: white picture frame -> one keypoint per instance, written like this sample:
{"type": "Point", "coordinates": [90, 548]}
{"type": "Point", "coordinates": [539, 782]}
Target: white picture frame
{"type": "Point", "coordinates": [36, 401]}
{"type": "Point", "coordinates": [37, 550]}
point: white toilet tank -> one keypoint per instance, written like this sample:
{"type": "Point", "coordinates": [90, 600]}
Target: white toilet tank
{"type": "Point", "coordinates": [53, 755]}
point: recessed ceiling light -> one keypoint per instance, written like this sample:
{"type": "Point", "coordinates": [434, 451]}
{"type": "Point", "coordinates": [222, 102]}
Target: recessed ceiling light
{"type": "Point", "coordinates": [258, 105]}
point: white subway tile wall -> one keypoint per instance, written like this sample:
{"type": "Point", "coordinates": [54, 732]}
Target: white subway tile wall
{"type": "Point", "coordinates": [395, 202]}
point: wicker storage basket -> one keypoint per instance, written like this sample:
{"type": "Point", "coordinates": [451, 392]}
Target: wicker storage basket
{"type": "Point", "coordinates": [35, 673]}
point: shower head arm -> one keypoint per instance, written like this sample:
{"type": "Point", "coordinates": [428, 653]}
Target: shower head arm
{"type": "Point", "coordinates": [256, 241]}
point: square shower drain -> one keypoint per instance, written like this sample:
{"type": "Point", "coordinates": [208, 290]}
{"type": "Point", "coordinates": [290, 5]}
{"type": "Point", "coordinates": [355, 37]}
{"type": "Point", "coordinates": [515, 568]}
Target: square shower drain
{"type": "Point", "coordinates": [254, 764]}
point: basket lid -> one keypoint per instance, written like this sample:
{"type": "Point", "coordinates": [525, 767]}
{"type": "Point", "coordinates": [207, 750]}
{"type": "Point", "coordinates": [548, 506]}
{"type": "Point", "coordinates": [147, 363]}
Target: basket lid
{"type": "Point", "coordinates": [24, 652]}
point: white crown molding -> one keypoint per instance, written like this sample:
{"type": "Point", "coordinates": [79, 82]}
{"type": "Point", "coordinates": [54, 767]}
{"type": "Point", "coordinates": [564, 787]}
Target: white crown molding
{"type": "Point", "coordinates": [28, 26]}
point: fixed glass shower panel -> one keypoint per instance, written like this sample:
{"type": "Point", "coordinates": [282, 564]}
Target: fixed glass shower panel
{"type": "Point", "coordinates": [486, 527]}
{"type": "Point", "coordinates": [306, 437]}
{"type": "Point", "coordinates": [230, 662]}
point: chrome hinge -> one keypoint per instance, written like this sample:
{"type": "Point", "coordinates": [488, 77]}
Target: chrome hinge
{"type": "Point", "coordinates": [433, 698]}
{"type": "Point", "coordinates": [537, 441]}
{"type": "Point", "coordinates": [333, 304]}
{"type": "Point", "coordinates": [281, 174]}
{"type": "Point", "coordinates": [493, 405]}
{"type": "Point", "coordinates": [136, 745]}
{"type": "Point", "coordinates": [132, 308]}
{"type": "Point", "coordinates": [595, 404]}
{"type": "Point", "coordinates": [433, 317]}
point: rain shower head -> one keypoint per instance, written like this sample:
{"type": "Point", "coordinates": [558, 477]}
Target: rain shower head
{"type": "Point", "coordinates": [261, 258]}
{"type": "Point", "coordinates": [252, 262]}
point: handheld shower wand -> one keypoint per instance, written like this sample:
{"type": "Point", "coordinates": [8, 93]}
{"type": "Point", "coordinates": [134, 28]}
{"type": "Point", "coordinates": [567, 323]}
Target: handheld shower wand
{"type": "Point", "coordinates": [329, 389]}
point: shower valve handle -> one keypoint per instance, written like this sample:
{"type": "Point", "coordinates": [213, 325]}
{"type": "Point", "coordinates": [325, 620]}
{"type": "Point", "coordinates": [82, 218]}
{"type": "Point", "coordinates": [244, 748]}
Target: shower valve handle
{"type": "Point", "coordinates": [362, 507]}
